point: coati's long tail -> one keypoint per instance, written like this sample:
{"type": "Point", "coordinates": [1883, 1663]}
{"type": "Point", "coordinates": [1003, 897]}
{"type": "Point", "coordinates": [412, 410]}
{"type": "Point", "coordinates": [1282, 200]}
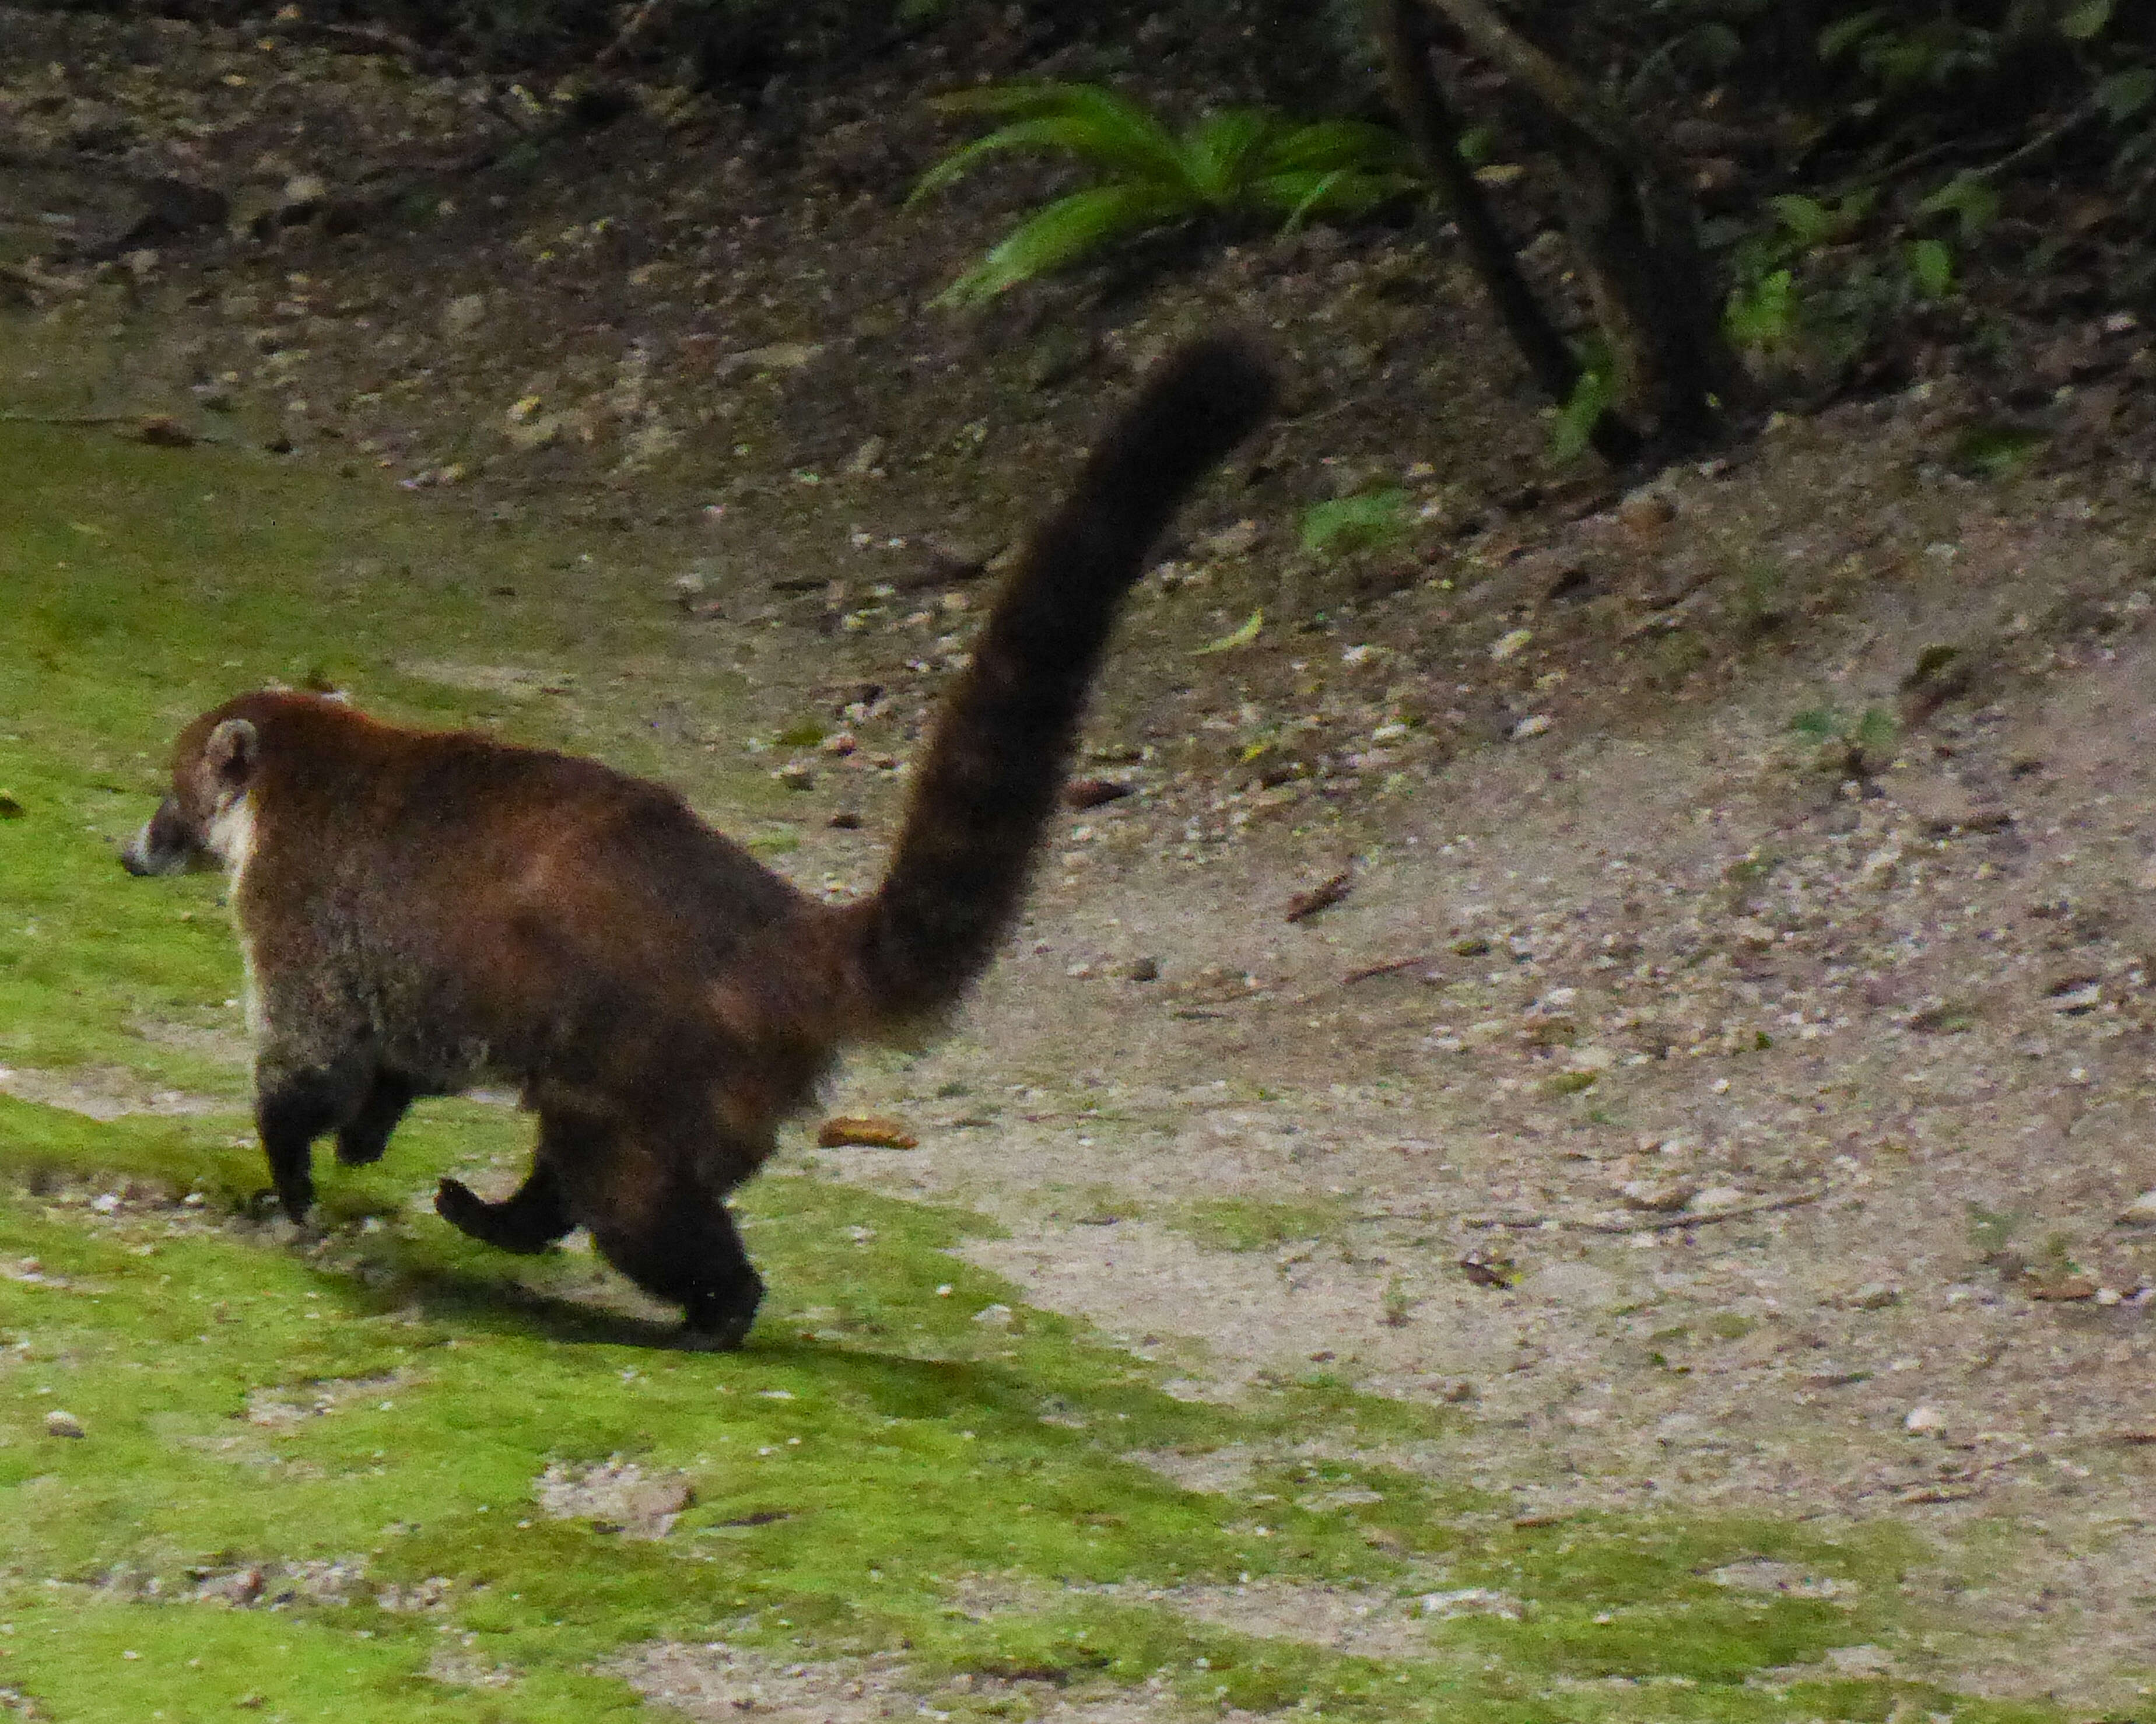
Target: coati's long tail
{"type": "Point", "coordinates": [993, 770]}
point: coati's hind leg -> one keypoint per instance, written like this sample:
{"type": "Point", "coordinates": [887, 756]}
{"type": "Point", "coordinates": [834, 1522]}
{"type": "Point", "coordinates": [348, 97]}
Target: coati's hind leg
{"type": "Point", "coordinates": [686, 1249]}
{"type": "Point", "coordinates": [527, 1221]}
{"type": "Point", "coordinates": [363, 1137]}
{"type": "Point", "coordinates": [654, 1216]}
{"type": "Point", "coordinates": [536, 1214]}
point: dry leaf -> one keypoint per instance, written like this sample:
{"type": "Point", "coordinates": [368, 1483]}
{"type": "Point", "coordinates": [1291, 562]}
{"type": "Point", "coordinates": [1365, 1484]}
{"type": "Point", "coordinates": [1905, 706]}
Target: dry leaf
{"type": "Point", "coordinates": [869, 1130]}
{"type": "Point", "coordinates": [1091, 793]}
{"type": "Point", "coordinates": [1498, 1272]}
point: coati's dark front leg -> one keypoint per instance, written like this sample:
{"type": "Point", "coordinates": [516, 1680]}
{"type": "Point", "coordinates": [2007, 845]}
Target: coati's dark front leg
{"type": "Point", "coordinates": [293, 1107]}
{"type": "Point", "coordinates": [365, 1135]}
{"type": "Point", "coordinates": [721, 1304]}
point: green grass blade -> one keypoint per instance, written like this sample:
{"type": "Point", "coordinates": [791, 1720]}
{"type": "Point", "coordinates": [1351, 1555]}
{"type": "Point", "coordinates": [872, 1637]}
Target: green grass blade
{"type": "Point", "coordinates": [1070, 229]}
{"type": "Point", "coordinates": [1321, 188]}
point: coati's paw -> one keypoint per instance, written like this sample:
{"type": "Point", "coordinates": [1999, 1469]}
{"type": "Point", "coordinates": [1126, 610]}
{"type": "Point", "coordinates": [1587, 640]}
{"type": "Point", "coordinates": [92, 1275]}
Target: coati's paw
{"type": "Point", "coordinates": [495, 1224]}
{"type": "Point", "coordinates": [465, 1210]}
{"type": "Point", "coordinates": [709, 1327]}
{"type": "Point", "coordinates": [701, 1342]}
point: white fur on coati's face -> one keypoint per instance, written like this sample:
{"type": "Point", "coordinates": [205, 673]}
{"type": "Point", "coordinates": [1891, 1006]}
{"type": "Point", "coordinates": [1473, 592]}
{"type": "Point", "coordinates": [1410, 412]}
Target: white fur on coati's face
{"type": "Point", "coordinates": [205, 820]}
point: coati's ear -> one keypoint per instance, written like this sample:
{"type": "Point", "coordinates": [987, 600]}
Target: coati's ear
{"type": "Point", "coordinates": [230, 754]}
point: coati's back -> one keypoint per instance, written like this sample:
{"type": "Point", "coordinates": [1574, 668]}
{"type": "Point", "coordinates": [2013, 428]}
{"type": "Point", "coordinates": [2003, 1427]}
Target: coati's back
{"type": "Point", "coordinates": [498, 908]}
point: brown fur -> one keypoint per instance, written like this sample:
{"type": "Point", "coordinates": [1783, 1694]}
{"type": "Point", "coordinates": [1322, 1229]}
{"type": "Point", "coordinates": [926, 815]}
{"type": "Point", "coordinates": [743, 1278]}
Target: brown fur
{"type": "Point", "coordinates": [420, 910]}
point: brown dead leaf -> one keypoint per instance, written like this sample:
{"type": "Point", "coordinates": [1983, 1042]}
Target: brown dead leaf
{"type": "Point", "coordinates": [867, 1130]}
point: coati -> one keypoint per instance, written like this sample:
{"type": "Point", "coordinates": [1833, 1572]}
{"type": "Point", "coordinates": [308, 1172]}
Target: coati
{"type": "Point", "coordinates": [420, 910]}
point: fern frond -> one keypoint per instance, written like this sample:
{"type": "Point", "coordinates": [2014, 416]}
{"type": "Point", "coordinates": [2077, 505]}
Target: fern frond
{"type": "Point", "coordinates": [1111, 132]}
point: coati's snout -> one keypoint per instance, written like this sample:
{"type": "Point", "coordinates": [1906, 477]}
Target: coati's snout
{"type": "Point", "coordinates": [167, 843]}
{"type": "Point", "coordinates": [203, 823]}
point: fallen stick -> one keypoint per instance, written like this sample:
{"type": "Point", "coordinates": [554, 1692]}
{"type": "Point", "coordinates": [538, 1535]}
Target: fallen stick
{"type": "Point", "coordinates": [1370, 973]}
{"type": "Point", "coordinates": [1643, 1223]}
{"type": "Point", "coordinates": [1662, 1223]}
{"type": "Point", "coordinates": [1305, 905]}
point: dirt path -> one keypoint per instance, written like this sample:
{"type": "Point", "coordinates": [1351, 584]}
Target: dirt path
{"type": "Point", "coordinates": [1643, 993]}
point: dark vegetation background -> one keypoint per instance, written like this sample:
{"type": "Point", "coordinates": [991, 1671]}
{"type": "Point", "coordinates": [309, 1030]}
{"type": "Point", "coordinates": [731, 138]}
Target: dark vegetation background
{"type": "Point", "coordinates": [1869, 184]}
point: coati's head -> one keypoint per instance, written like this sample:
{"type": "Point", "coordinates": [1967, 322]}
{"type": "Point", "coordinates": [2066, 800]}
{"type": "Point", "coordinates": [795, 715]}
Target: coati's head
{"type": "Point", "coordinates": [204, 822]}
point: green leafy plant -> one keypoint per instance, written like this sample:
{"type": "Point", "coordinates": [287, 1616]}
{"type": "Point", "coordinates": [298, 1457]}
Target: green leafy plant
{"type": "Point", "coordinates": [1811, 283]}
{"type": "Point", "coordinates": [1246, 162]}
{"type": "Point", "coordinates": [1357, 523]}
{"type": "Point", "coordinates": [1858, 742]}
{"type": "Point", "coordinates": [1899, 54]}
{"type": "Point", "coordinates": [1768, 312]}
{"type": "Point", "coordinates": [1761, 316]}
{"type": "Point", "coordinates": [1969, 200]}
{"type": "Point", "coordinates": [1573, 429]}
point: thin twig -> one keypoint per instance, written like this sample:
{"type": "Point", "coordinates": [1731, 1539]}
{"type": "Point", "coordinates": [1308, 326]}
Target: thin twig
{"type": "Point", "coordinates": [1662, 1223]}
{"type": "Point", "coordinates": [633, 31]}
{"type": "Point", "coordinates": [1642, 1224]}
{"type": "Point", "coordinates": [1370, 973]}
{"type": "Point", "coordinates": [2042, 141]}
{"type": "Point", "coordinates": [1915, 159]}
{"type": "Point", "coordinates": [1303, 906]}
{"type": "Point", "coordinates": [73, 420]}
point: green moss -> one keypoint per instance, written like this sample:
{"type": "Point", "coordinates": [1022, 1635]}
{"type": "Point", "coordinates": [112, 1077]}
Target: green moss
{"type": "Point", "coordinates": [1249, 1225]}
